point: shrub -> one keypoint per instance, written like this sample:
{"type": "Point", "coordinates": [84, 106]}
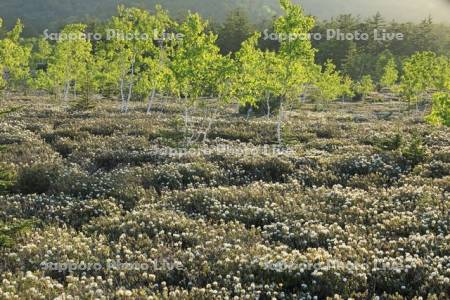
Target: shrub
{"type": "Point", "coordinates": [440, 114]}
{"type": "Point", "coordinates": [415, 152]}
{"type": "Point", "coordinates": [64, 147]}
{"type": "Point", "coordinates": [36, 179]}
{"type": "Point", "coordinates": [180, 176]}
{"type": "Point", "coordinates": [7, 178]}
{"type": "Point", "coordinates": [9, 232]}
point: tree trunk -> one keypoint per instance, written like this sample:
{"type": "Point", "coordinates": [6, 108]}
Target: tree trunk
{"type": "Point", "coordinates": [268, 104]}
{"type": "Point", "coordinates": [130, 88]}
{"type": "Point", "coordinates": [186, 119]}
{"type": "Point", "coordinates": [249, 111]}
{"type": "Point", "coordinates": [150, 101]}
{"type": "Point", "coordinates": [280, 120]}
{"type": "Point", "coordinates": [122, 94]}
{"type": "Point", "coordinates": [208, 129]}
{"type": "Point", "coordinates": [66, 91]}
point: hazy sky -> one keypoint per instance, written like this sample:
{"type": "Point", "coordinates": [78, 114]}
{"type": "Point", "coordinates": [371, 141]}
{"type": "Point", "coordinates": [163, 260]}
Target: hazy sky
{"type": "Point", "coordinates": [404, 10]}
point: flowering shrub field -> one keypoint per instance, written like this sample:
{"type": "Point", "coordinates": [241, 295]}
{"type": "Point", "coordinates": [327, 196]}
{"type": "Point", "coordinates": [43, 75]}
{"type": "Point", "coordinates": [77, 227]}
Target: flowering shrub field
{"type": "Point", "coordinates": [353, 206]}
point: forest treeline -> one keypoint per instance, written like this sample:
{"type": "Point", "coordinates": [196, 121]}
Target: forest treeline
{"type": "Point", "coordinates": [353, 57]}
{"type": "Point", "coordinates": [53, 14]}
{"type": "Point", "coordinates": [231, 62]}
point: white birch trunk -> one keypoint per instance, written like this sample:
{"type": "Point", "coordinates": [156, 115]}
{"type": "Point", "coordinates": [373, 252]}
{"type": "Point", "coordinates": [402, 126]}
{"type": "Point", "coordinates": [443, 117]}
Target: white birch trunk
{"type": "Point", "coordinates": [130, 88]}
{"type": "Point", "coordinates": [150, 101]}
{"type": "Point", "coordinates": [268, 104]}
{"type": "Point", "coordinates": [279, 123]}
{"type": "Point", "coordinates": [122, 94]}
{"type": "Point", "coordinates": [66, 92]}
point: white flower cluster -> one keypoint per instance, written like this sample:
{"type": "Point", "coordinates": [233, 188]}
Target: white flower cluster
{"type": "Point", "coordinates": [350, 212]}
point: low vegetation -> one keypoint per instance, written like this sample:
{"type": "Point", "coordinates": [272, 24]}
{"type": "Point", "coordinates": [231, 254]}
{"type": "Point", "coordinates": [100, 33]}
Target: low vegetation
{"type": "Point", "coordinates": [351, 208]}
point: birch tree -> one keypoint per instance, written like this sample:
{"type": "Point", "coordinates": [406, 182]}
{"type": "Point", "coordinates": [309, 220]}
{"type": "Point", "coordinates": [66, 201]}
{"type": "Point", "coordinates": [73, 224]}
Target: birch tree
{"type": "Point", "coordinates": [421, 73]}
{"type": "Point", "coordinates": [130, 41]}
{"type": "Point", "coordinates": [14, 58]}
{"type": "Point", "coordinates": [70, 61]}
{"type": "Point", "coordinates": [296, 53]}
{"type": "Point", "coordinates": [223, 71]}
{"type": "Point", "coordinates": [154, 76]}
{"type": "Point", "coordinates": [390, 75]}
{"type": "Point", "coordinates": [271, 67]}
{"type": "Point", "coordinates": [193, 57]}
{"type": "Point", "coordinates": [249, 85]}
{"type": "Point", "coordinates": [328, 83]}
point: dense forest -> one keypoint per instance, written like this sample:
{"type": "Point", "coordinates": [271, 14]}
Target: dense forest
{"type": "Point", "coordinates": [353, 57]}
{"type": "Point", "coordinates": [53, 14]}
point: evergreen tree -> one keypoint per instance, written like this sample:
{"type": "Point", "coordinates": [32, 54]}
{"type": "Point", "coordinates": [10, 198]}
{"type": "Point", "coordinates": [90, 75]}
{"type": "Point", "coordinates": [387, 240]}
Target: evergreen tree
{"type": "Point", "coordinates": [234, 31]}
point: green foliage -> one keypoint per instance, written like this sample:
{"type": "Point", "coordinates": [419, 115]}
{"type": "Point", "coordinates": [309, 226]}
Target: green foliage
{"type": "Point", "coordinates": [296, 51]}
{"type": "Point", "coordinates": [347, 87]}
{"type": "Point", "coordinates": [7, 178]}
{"type": "Point", "coordinates": [42, 51]}
{"type": "Point", "coordinates": [71, 64]}
{"type": "Point", "coordinates": [155, 76]}
{"type": "Point", "coordinates": [9, 232]}
{"type": "Point", "coordinates": [381, 61]}
{"type": "Point", "coordinates": [236, 29]}
{"type": "Point", "coordinates": [364, 87]}
{"type": "Point", "coordinates": [295, 26]}
{"type": "Point", "coordinates": [358, 57]}
{"type": "Point", "coordinates": [40, 57]}
{"type": "Point", "coordinates": [415, 151]}
{"type": "Point", "coordinates": [390, 75]}
{"type": "Point", "coordinates": [131, 49]}
{"type": "Point", "coordinates": [248, 82]}
{"type": "Point", "coordinates": [440, 114]}
{"type": "Point", "coordinates": [36, 179]}
{"type": "Point", "coordinates": [421, 73]}
{"type": "Point", "coordinates": [14, 58]}
{"type": "Point", "coordinates": [391, 142]}
{"type": "Point", "coordinates": [329, 84]}
{"type": "Point", "coordinates": [195, 53]}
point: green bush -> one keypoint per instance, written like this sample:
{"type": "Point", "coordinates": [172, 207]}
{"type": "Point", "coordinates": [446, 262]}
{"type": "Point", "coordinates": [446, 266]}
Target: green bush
{"type": "Point", "coordinates": [36, 179]}
{"type": "Point", "coordinates": [415, 151]}
{"type": "Point", "coordinates": [440, 114]}
{"type": "Point", "coordinates": [9, 232]}
{"type": "Point", "coordinates": [7, 178]}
